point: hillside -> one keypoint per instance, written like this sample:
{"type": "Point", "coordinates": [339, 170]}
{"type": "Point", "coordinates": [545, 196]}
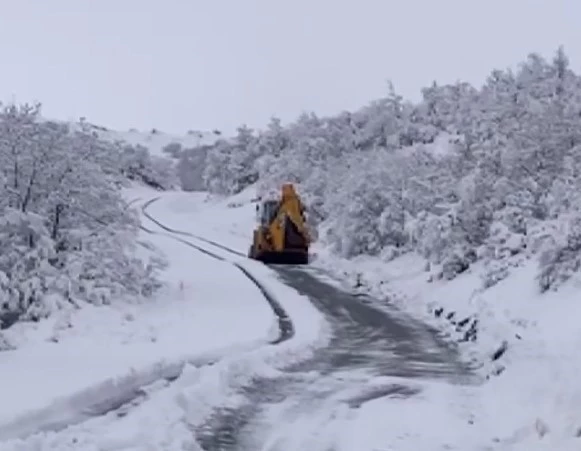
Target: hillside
{"type": "Point", "coordinates": [68, 234]}
{"type": "Point", "coordinates": [467, 175]}
{"type": "Point", "coordinates": [158, 159]}
{"type": "Point", "coordinates": [155, 140]}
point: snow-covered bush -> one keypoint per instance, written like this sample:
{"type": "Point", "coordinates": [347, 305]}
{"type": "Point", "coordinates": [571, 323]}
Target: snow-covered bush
{"type": "Point", "coordinates": [230, 165]}
{"type": "Point", "coordinates": [503, 242]}
{"type": "Point", "coordinates": [458, 259]}
{"type": "Point", "coordinates": [495, 271]}
{"type": "Point", "coordinates": [136, 163]}
{"type": "Point", "coordinates": [561, 258]}
{"type": "Point", "coordinates": [25, 271]}
{"type": "Point", "coordinates": [66, 235]}
{"type": "Point", "coordinates": [189, 165]}
{"type": "Point", "coordinates": [502, 249]}
{"type": "Point", "coordinates": [367, 213]}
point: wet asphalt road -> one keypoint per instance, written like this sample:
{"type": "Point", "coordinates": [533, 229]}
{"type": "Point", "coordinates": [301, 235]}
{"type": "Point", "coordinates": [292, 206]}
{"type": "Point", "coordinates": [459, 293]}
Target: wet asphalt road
{"type": "Point", "coordinates": [365, 343]}
{"type": "Point", "coordinates": [367, 338]}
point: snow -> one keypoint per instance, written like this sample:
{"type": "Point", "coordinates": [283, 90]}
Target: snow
{"type": "Point", "coordinates": [413, 419]}
{"type": "Point", "coordinates": [147, 376]}
{"type": "Point", "coordinates": [228, 220]}
{"type": "Point", "coordinates": [155, 141]}
{"type": "Point", "coordinates": [528, 398]}
{"type": "Point", "coordinates": [538, 384]}
{"type": "Point", "coordinates": [195, 313]}
{"type": "Point", "coordinates": [231, 220]}
{"type": "Point", "coordinates": [208, 312]}
{"type": "Point", "coordinates": [536, 388]}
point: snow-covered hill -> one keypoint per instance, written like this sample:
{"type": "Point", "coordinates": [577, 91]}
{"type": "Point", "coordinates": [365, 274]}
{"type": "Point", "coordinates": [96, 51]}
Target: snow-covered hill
{"type": "Point", "coordinates": [463, 207]}
{"type": "Point", "coordinates": [156, 158]}
{"type": "Point", "coordinates": [154, 140]}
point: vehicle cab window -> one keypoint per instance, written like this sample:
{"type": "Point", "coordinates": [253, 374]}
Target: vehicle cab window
{"type": "Point", "coordinates": [268, 211]}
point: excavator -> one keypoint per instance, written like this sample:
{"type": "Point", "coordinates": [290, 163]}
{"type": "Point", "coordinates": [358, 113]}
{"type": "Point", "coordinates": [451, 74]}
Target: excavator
{"type": "Point", "coordinates": [281, 236]}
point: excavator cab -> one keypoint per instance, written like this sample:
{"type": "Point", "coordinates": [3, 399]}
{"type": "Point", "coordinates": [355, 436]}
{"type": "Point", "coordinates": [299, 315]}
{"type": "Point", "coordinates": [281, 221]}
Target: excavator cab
{"type": "Point", "coordinates": [281, 236]}
{"type": "Point", "coordinates": [267, 211]}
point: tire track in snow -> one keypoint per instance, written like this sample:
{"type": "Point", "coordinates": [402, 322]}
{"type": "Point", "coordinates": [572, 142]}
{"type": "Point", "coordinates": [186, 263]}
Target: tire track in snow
{"type": "Point", "coordinates": [286, 328]}
{"type": "Point", "coordinates": [375, 343]}
{"type": "Point", "coordinates": [126, 392]}
{"type": "Point", "coordinates": [180, 232]}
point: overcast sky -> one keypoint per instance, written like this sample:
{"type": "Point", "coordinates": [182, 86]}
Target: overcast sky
{"type": "Point", "coordinates": [204, 64]}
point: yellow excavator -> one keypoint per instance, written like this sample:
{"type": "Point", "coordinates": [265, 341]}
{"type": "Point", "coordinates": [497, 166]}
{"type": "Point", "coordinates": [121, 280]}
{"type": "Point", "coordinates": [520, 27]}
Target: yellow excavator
{"type": "Point", "coordinates": [281, 236]}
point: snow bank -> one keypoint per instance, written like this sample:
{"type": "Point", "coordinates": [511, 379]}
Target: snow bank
{"type": "Point", "coordinates": [524, 343]}
{"type": "Point", "coordinates": [169, 417]}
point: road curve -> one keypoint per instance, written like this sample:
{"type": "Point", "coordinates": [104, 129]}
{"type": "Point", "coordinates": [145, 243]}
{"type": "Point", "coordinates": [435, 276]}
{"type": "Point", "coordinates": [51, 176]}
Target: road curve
{"type": "Point", "coordinates": [285, 325]}
{"type": "Point", "coordinates": [182, 233]}
{"type": "Point", "coordinates": [366, 343]}
{"type": "Point", "coordinates": [83, 406]}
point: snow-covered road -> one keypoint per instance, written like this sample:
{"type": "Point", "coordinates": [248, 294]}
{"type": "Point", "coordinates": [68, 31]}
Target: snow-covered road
{"type": "Point", "coordinates": [332, 381]}
{"type": "Point", "coordinates": [93, 360]}
{"type": "Point", "coordinates": [210, 317]}
{"type": "Point", "coordinates": [372, 357]}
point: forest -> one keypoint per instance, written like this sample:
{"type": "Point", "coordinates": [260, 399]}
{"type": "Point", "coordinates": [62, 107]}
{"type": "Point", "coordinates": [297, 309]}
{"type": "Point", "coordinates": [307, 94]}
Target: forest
{"type": "Point", "coordinates": [467, 174]}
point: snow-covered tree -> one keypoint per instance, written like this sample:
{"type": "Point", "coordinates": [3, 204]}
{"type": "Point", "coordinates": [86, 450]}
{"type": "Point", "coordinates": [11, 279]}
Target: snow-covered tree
{"type": "Point", "coordinates": [136, 163]}
{"type": "Point", "coordinates": [231, 165]}
{"type": "Point", "coordinates": [466, 173]}
{"type": "Point", "coordinates": [66, 234]}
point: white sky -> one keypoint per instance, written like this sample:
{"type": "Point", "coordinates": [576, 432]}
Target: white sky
{"type": "Point", "coordinates": [203, 64]}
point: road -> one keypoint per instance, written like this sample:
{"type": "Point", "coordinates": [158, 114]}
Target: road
{"type": "Point", "coordinates": [372, 354]}
{"type": "Point", "coordinates": [366, 344]}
